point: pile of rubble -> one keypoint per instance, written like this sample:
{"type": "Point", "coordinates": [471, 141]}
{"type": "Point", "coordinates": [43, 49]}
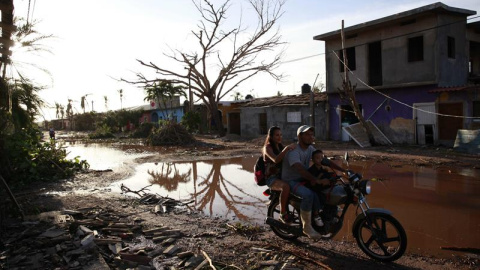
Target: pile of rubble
{"type": "Point", "coordinates": [95, 238]}
{"type": "Point", "coordinates": [101, 237]}
{"type": "Point", "coordinates": [98, 238]}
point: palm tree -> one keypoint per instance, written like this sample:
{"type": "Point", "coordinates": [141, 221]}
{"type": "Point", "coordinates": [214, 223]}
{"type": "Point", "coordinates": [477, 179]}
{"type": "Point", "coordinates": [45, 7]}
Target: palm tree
{"type": "Point", "coordinates": [20, 98]}
{"type": "Point", "coordinates": [82, 103]}
{"type": "Point", "coordinates": [237, 95]}
{"type": "Point", "coordinates": [25, 104]}
{"type": "Point", "coordinates": [163, 92]}
{"type": "Point", "coordinates": [121, 97]}
{"type": "Point", "coordinates": [57, 106]}
{"type": "Point", "coordinates": [106, 102]}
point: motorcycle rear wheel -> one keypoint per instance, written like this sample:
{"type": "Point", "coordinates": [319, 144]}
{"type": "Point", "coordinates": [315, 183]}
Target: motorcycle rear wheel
{"type": "Point", "coordinates": [384, 241]}
{"type": "Point", "coordinates": [274, 212]}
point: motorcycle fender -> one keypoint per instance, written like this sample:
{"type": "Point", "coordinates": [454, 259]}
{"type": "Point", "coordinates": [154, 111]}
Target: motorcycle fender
{"type": "Point", "coordinates": [361, 216]}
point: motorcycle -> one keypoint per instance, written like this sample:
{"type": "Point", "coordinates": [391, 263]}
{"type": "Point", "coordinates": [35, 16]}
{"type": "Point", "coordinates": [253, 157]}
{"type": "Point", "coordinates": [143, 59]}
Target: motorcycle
{"type": "Point", "coordinates": [378, 234]}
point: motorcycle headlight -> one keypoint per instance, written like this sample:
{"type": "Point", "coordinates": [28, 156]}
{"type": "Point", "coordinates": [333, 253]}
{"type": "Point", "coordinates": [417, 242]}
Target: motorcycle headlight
{"type": "Point", "coordinates": [365, 186]}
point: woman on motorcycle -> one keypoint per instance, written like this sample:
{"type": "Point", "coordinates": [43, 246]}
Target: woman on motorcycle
{"type": "Point", "coordinates": [273, 153]}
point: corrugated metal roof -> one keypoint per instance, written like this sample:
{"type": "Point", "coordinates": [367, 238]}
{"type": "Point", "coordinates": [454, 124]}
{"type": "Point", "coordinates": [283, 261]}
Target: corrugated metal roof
{"type": "Point", "coordinates": [302, 100]}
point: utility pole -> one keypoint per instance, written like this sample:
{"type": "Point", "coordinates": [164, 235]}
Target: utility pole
{"type": "Point", "coordinates": [190, 94]}
{"type": "Point", "coordinates": [349, 91]}
{"type": "Point", "coordinates": [312, 104]}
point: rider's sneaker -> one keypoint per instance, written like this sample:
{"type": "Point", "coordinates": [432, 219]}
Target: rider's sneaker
{"type": "Point", "coordinates": [318, 221]}
{"type": "Point", "coordinates": [328, 235]}
{"type": "Point", "coordinates": [286, 218]}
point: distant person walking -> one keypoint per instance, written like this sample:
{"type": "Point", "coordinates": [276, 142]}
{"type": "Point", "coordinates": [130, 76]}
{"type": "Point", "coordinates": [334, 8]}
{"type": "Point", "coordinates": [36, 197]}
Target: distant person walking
{"type": "Point", "coordinates": [52, 133]}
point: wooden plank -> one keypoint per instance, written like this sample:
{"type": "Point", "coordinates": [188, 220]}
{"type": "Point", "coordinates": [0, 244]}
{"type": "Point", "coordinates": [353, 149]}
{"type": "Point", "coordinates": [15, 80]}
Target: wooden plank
{"type": "Point", "coordinates": [358, 134]}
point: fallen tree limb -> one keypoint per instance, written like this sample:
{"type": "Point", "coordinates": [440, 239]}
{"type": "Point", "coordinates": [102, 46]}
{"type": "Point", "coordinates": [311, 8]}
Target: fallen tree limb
{"type": "Point", "coordinates": [209, 260]}
{"type": "Point", "coordinates": [7, 188]}
{"type": "Point", "coordinates": [125, 189]}
{"type": "Point", "coordinates": [300, 255]}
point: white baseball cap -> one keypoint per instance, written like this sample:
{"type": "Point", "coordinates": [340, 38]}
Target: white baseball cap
{"type": "Point", "coordinates": [304, 128]}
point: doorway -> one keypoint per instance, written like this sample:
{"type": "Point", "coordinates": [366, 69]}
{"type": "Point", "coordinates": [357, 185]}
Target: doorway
{"type": "Point", "coordinates": [448, 125]}
{"type": "Point", "coordinates": [234, 123]}
{"type": "Point", "coordinates": [426, 123]}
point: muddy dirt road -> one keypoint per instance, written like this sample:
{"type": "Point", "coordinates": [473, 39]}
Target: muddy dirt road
{"type": "Point", "coordinates": [226, 244]}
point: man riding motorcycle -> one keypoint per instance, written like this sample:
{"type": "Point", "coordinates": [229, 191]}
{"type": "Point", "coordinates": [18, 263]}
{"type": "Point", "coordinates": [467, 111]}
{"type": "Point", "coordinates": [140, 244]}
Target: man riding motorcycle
{"type": "Point", "coordinates": [294, 171]}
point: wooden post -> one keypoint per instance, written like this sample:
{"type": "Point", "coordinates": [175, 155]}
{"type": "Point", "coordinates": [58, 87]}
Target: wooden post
{"type": "Point", "coordinates": [312, 104]}
{"type": "Point", "coordinates": [5, 185]}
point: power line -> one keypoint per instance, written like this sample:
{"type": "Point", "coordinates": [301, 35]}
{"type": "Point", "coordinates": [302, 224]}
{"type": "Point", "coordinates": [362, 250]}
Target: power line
{"type": "Point", "coordinates": [402, 35]}
{"type": "Point", "coordinates": [398, 101]}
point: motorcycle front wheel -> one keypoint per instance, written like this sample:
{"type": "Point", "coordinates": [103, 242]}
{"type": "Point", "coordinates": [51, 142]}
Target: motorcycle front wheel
{"type": "Point", "coordinates": [381, 237]}
{"type": "Point", "coordinates": [274, 212]}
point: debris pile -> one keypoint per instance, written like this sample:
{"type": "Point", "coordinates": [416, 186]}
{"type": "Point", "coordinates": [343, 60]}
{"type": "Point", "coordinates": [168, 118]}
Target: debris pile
{"type": "Point", "coordinates": [118, 238]}
{"type": "Point", "coordinates": [170, 134]}
{"type": "Point", "coordinates": [96, 238]}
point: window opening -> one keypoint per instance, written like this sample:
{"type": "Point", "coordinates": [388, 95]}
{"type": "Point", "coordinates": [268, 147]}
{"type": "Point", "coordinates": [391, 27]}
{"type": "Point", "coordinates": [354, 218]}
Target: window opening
{"type": "Point", "coordinates": [350, 59]}
{"type": "Point", "coordinates": [415, 49]}
{"type": "Point", "coordinates": [451, 47]}
{"type": "Point", "coordinates": [375, 76]}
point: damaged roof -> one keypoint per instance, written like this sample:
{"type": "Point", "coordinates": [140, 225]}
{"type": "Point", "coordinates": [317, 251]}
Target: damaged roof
{"type": "Point", "coordinates": [298, 100]}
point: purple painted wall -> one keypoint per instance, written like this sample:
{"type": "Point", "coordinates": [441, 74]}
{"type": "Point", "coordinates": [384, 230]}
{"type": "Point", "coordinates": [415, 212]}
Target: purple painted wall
{"type": "Point", "coordinates": [370, 101]}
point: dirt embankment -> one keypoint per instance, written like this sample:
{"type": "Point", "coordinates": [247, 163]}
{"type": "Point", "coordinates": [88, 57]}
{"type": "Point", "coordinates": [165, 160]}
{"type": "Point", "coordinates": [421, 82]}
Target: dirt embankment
{"type": "Point", "coordinates": [226, 244]}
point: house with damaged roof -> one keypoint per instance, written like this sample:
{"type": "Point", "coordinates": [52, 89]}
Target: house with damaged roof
{"type": "Point", "coordinates": [287, 112]}
{"type": "Point", "coordinates": [416, 74]}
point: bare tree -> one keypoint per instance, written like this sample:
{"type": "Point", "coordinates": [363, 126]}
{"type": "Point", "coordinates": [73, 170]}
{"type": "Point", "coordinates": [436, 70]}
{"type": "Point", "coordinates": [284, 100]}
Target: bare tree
{"type": "Point", "coordinates": [213, 70]}
{"type": "Point", "coordinates": [320, 87]}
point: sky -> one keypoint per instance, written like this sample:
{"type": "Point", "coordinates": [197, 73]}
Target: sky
{"type": "Point", "coordinates": [97, 42]}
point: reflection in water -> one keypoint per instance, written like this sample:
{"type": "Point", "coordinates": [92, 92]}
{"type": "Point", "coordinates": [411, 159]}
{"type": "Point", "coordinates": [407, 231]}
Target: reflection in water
{"type": "Point", "coordinates": [231, 194]}
{"type": "Point", "coordinates": [168, 176]}
{"type": "Point", "coordinates": [217, 187]}
{"type": "Point", "coordinates": [437, 207]}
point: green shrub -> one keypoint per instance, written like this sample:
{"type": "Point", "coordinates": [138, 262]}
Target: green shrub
{"type": "Point", "coordinates": [102, 132]}
{"type": "Point", "coordinates": [27, 159]}
{"type": "Point", "coordinates": [143, 131]}
{"type": "Point", "coordinates": [170, 134]}
{"type": "Point", "coordinates": [191, 121]}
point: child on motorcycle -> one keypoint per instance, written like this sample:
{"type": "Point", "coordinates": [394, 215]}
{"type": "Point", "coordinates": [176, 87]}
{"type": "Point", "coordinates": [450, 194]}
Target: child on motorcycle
{"type": "Point", "coordinates": [323, 176]}
{"type": "Point", "coordinates": [317, 169]}
{"type": "Point", "coordinates": [273, 154]}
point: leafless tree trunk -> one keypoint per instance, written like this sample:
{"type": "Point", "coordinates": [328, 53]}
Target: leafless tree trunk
{"type": "Point", "coordinates": [348, 93]}
{"type": "Point", "coordinates": [225, 57]}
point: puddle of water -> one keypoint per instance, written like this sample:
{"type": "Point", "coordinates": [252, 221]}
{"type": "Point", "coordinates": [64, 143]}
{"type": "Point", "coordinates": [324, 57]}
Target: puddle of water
{"type": "Point", "coordinates": [102, 156]}
{"type": "Point", "coordinates": [223, 188]}
{"type": "Point", "coordinates": [437, 207]}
